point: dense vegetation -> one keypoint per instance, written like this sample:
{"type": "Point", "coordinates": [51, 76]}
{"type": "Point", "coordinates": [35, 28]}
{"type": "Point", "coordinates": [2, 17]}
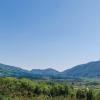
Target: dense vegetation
{"type": "Point", "coordinates": [25, 89]}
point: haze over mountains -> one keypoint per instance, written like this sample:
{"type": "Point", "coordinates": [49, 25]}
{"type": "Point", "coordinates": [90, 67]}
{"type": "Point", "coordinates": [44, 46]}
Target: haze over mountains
{"type": "Point", "coordinates": [88, 70]}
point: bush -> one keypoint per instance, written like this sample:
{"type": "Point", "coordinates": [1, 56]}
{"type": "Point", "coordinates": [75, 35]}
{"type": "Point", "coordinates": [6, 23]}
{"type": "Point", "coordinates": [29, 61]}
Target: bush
{"type": "Point", "coordinates": [81, 94]}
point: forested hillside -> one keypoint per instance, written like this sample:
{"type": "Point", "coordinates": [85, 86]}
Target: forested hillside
{"type": "Point", "coordinates": [88, 70]}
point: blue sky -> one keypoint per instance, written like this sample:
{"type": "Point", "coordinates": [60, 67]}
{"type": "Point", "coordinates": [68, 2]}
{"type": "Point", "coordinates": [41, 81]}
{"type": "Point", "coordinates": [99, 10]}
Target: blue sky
{"type": "Point", "coordinates": [49, 33]}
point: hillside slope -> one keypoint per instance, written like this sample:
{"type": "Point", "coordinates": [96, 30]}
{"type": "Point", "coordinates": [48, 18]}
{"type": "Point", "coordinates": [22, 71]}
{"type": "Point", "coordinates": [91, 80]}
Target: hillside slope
{"type": "Point", "coordinates": [88, 70]}
{"type": "Point", "coordinates": [12, 71]}
{"type": "Point", "coordinates": [91, 69]}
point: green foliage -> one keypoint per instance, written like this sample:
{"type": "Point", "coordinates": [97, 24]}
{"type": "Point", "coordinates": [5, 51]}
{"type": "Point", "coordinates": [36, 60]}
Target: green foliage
{"type": "Point", "coordinates": [97, 97]}
{"type": "Point", "coordinates": [81, 94]}
{"type": "Point", "coordinates": [25, 89]}
{"type": "Point", "coordinates": [90, 95]}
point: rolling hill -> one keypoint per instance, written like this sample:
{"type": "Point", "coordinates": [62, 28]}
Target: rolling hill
{"type": "Point", "coordinates": [88, 70]}
{"type": "Point", "coordinates": [48, 71]}
{"type": "Point", "coordinates": [91, 69]}
{"type": "Point", "coordinates": [12, 71]}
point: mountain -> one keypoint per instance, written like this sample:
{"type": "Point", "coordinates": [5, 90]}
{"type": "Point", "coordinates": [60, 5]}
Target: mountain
{"type": "Point", "coordinates": [12, 71]}
{"type": "Point", "coordinates": [88, 70]}
{"type": "Point", "coordinates": [91, 69]}
{"type": "Point", "coordinates": [7, 70]}
{"type": "Point", "coordinates": [45, 74]}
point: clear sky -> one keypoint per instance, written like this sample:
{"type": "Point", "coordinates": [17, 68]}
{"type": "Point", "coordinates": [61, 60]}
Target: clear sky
{"type": "Point", "coordinates": [49, 33]}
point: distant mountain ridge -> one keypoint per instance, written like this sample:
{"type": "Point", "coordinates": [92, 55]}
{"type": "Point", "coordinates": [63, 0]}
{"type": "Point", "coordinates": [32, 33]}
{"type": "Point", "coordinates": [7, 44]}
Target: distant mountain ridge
{"type": "Point", "coordinates": [48, 71]}
{"type": "Point", "coordinates": [12, 71]}
{"type": "Point", "coordinates": [88, 70]}
{"type": "Point", "coordinates": [91, 69]}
